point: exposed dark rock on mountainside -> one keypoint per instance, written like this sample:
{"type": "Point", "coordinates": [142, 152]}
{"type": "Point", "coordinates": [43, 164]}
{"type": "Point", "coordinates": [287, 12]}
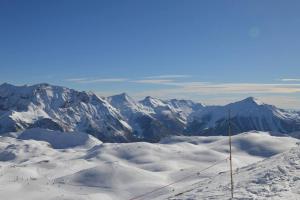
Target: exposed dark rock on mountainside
{"type": "Point", "coordinates": [120, 118]}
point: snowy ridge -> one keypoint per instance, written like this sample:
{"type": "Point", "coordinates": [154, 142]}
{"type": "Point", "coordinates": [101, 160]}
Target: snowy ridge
{"type": "Point", "coordinates": [120, 118]}
{"type": "Point", "coordinates": [59, 108]}
{"type": "Point", "coordinates": [248, 114]}
{"type": "Point", "coordinates": [59, 140]}
{"type": "Point", "coordinates": [178, 108]}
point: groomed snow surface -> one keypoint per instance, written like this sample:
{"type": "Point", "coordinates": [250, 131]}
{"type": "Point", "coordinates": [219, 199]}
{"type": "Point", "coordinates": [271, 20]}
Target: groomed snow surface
{"type": "Point", "coordinates": [40, 164]}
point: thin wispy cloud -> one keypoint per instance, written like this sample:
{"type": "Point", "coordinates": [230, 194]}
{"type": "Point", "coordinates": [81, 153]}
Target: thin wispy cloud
{"type": "Point", "coordinates": [290, 79]}
{"type": "Point", "coordinates": [240, 88]}
{"type": "Point", "coordinates": [105, 80]}
{"type": "Point", "coordinates": [154, 81]}
{"type": "Point", "coordinates": [160, 79]}
{"type": "Point", "coordinates": [204, 88]}
{"type": "Point", "coordinates": [170, 76]}
{"type": "Point", "coordinates": [75, 79]}
{"type": "Point", "coordinates": [98, 80]}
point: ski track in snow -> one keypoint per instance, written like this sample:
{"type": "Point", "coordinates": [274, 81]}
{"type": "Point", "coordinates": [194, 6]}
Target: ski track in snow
{"type": "Point", "coordinates": [274, 178]}
{"type": "Point", "coordinates": [34, 166]}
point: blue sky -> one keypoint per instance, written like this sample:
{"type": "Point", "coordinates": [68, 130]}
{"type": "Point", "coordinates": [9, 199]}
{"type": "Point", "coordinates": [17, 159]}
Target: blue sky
{"type": "Point", "coordinates": [209, 51]}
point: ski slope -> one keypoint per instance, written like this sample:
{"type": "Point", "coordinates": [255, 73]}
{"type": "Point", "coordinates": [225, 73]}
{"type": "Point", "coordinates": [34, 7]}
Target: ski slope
{"type": "Point", "coordinates": [33, 166]}
{"type": "Point", "coordinates": [275, 178]}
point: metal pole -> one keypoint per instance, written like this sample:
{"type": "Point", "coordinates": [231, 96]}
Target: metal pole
{"type": "Point", "coordinates": [230, 153]}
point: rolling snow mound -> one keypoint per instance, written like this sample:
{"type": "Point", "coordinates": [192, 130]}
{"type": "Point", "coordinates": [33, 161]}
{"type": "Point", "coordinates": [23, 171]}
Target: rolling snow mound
{"type": "Point", "coordinates": [59, 140]}
{"type": "Point", "coordinates": [32, 167]}
{"type": "Point", "coordinates": [275, 178]}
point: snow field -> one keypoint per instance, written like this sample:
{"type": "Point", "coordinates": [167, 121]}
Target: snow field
{"type": "Point", "coordinates": [87, 170]}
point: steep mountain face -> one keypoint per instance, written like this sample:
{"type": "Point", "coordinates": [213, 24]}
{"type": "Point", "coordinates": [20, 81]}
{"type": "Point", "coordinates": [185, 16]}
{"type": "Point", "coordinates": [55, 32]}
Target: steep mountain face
{"type": "Point", "coordinates": [151, 119]}
{"type": "Point", "coordinates": [120, 118]}
{"type": "Point", "coordinates": [127, 106]}
{"type": "Point", "coordinates": [139, 117]}
{"type": "Point", "coordinates": [59, 108]}
{"type": "Point", "coordinates": [172, 113]}
{"type": "Point", "coordinates": [248, 114]}
{"type": "Point", "coordinates": [165, 114]}
{"type": "Point", "coordinates": [184, 107]}
{"type": "Point", "coordinates": [172, 109]}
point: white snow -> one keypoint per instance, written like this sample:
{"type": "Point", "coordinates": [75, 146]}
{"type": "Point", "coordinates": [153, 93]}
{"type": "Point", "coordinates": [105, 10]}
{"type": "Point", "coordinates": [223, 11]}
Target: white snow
{"type": "Point", "coordinates": [34, 165]}
{"type": "Point", "coordinates": [275, 178]}
{"type": "Point", "coordinates": [121, 118]}
{"type": "Point", "coordinates": [256, 113]}
{"type": "Point", "coordinates": [60, 140]}
{"type": "Point", "coordinates": [69, 109]}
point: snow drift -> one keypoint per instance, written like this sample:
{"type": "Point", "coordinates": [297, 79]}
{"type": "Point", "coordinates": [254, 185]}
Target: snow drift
{"type": "Point", "coordinates": [31, 169]}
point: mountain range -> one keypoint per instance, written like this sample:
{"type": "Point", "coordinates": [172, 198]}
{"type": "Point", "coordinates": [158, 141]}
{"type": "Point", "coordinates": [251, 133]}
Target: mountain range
{"type": "Point", "coordinates": [120, 118]}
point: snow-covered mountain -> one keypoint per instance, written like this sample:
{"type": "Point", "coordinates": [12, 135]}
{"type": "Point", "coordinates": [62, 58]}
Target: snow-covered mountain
{"type": "Point", "coordinates": [120, 118]}
{"type": "Point", "coordinates": [248, 114]}
{"type": "Point", "coordinates": [173, 118]}
{"type": "Point", "coordinates": [152, 118]}
{"type": "Point", "coordinates": [142, 119]}
{"type": "Point", "coordinates": [59, 108]}
{"type": "Point", "coordinates": [172, 109]}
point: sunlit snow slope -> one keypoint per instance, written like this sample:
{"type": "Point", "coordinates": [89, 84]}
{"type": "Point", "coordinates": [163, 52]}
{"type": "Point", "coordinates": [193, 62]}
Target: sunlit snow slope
{"type": "Point", "coordinates": [120, 118]}
{"type": "Point", "coordinates": [275, 178]}
{"type": "Point", "coordinates": [33, 166]}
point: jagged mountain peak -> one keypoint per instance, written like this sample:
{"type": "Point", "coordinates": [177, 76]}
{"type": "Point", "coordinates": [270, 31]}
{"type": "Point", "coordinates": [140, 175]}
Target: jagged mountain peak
{"type": "Point", "coordinates": [184, 102]}
{"type": "Point", "coordinates": [149, 98]}
{"type": "Point", "coordinates": [153, 102]}
{"type": "Point", "coordinates": [250, 100]}
{"type": "Point", "coordinates": [44, 85]}
{"type": "Point", "coordinates": [249, 105]}
{"type": "Point", "coordinates": [123, 97]}
{"type": "Point", "coordinates": [124, 101]}
{"type": "Point", "coordinates": [247, 114]}
{"type": "Point", "coordinates": [120, 117]}
{"type": "Point", "coordinates": [128, 106]}
{"type": "Point", "coordinates": [60, 108]}
{"type": "Point", "coordinates": [13, 90]}
{"type": "Point", "coordinates": [5, 84]}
